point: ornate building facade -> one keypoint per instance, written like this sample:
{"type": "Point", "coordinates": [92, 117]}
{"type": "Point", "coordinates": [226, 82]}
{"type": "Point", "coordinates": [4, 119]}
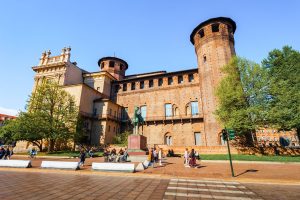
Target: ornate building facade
{"type": "Point", "coordinates": [177, 107]}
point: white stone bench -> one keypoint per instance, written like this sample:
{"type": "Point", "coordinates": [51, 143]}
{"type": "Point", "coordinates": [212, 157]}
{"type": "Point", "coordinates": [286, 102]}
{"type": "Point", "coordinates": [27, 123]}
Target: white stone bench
{"type": "Point", "coordinates": [60, 165]}
{"type": "Point", "coordinates": [119, 167]}
{"type": "Point", "coordinates": [15, 163]}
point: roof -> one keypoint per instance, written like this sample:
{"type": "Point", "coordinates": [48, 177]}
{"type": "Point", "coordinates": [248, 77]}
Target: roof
{"type": "Point", "coordinates": [222, 19]}
{"type": "Point", "coordinates": [112, 58]}
{"type": "Point", "coordinates": [8, 116]}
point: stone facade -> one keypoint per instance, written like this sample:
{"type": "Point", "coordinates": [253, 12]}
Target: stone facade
{"type": "Point", "coordinates": [177, 107]}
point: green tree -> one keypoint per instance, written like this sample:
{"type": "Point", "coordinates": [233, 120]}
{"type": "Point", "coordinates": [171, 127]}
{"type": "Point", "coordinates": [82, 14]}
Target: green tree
{"type": "Point", "coordinates": [7, 131]}
{"type": "Point", "coordinates": [57, 112]}
{"type": "Point", "coordinates": [52, 116]}
{"type": "Point", "coordinates": [284, 72]}
{"type": "Point", "coordinates": [232, 108]}
{"type": "Point", "coordinates": [243, 96]}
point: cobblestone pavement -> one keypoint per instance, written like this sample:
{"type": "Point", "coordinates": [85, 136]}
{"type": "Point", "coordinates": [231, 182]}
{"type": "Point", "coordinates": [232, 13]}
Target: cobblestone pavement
{"type": "Point", "coordinates": [37, 185]}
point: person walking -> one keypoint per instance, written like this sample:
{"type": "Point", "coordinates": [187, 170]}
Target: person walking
{"type": "Point", "coordinates": [186, 157]}
{"type": "Point", "coordinates": [155, 156]}
{"type": "Point", "coordinates": [160, 156]}
{"type": "Point", "coordinates": [82, 158]}
{"type": "Point", "coordinates": [192, 158]}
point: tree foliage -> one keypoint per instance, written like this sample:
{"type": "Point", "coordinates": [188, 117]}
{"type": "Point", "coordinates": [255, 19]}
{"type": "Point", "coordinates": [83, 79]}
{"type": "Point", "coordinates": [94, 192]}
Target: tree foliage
{"type": "Point", "coordinates": [252, 96]}
{"type": "Point", "coordinates": [284, 74]}
{"type": "Point", "coordinates": [51, 116]}
{"type": "Point", "coordinates": [232, 101]}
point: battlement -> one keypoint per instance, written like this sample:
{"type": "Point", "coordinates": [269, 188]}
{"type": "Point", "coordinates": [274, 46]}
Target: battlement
{"type": "Point", "coordinates": [46, 58]}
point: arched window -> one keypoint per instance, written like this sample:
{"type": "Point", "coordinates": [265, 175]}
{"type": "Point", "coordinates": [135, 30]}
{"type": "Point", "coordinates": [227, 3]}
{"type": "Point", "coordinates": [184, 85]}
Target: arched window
{"type": "Point", "coordinates": [176, 111]}
{"type": "Point", "coordinates": [168, 139]}
{"type": "Point", "coordinates": [188, 109]}
{"type": "Point", "coordinates": [192, 108]}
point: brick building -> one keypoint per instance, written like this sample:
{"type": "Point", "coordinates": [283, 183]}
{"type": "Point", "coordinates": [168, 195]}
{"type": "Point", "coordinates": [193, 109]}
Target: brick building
{"type": "Point", "coordinates": [177, 107]}
{"type": "Point", "coordinates": [4, 117]}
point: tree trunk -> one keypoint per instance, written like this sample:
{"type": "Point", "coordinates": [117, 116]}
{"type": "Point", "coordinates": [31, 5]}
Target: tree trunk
{"type": "Point", "coordinates": [51, 145]}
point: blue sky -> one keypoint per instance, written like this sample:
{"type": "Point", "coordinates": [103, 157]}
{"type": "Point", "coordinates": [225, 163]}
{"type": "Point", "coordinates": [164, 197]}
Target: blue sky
{"type": "Point", "coordinates": [149, 35]}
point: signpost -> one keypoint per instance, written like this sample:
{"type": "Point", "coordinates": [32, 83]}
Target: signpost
{"type": "Point", "coordinates": [229, 134]}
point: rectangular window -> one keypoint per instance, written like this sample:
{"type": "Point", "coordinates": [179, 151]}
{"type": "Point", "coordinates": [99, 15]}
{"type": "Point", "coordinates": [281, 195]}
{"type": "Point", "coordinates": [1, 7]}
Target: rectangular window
{"type": "Point", "coordinates": [142, 85]}
{"type": "Point", "coordinates": [132, 86]}
{"type": "Point", "coordinates": [150, 83]}
{"type": "Point", "coordinates": [160, 82]}
{"type": "Point", "coordinates": [197, 138]}
{"type": "Point", "coordinates": [111, 64]}
{"type": "Point", "coordinates": [110, 111]}
{"type": "Point", "coordinates": [194, 106]}
{"type": "Point", "coordinates": [191, 77]}
{"type": "Point", "coordinates": [125, 87]}
{"type": "Point", "coordinates": [121, 67]}
{"type": "Point", "coordinates": [124, 113]}
{"type": "Point", "coordinates": [144, 112]}
{"type": "Point", "coordinates": [215, 27]}
{"type": "Point", "coordinates": [114, 129]}
{"type": "Point", "coordinates": [170, 80]}
{"type": "Point", "coordinates": [98, 88]}
{"type": "Point", "coordinates": [168, 110]}
{"type": "Point", "coordinates": [201, 33]}
{"type": "Point", "coordinates": [180, 79]}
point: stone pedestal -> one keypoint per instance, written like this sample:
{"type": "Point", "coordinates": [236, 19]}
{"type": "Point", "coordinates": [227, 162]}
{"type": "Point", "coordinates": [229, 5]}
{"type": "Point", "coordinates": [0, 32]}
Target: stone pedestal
{"type": "Point", "coordinates": [137, 145]}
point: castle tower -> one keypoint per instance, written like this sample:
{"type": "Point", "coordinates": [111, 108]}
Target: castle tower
{"type": "Point", "coordinates": [214, 45]}
{"type": "Point", "coordinates": [115, 66]}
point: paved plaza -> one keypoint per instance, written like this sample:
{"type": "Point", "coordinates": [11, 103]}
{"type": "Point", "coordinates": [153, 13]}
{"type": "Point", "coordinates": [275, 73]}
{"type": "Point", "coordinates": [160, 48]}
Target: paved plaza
{"type": "Point", "coordinates": [60, 185]}
{"type": "Point", "coordinates": [173, 167]}
{"type": "Point", "coordinates": [212, 180]}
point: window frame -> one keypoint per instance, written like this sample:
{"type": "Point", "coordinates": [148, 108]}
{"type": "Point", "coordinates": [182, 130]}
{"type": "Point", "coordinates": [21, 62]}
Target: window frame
{"type": "Point", "coordinates": [132, 87]}
{"type": "Point", "coordinates": [160, 82]}
{"type": "Point", "coordinates": [170, 80]}
{"type": "Point", "coordinates": [168, 110]}
{"type": "Point", "coordinates": [142, 84]}
{"type": "Point", "coordinates": [180, 79]}
{"type": "Point", "coordinates": [111, 64]}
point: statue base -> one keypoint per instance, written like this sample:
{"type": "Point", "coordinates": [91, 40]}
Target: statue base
{"type": "Point", "coordinates": [137, 145]}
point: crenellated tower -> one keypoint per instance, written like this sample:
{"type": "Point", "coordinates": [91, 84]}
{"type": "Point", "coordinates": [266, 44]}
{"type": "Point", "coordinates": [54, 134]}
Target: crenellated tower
{"type": "Point", "coordinates": [214, 46]}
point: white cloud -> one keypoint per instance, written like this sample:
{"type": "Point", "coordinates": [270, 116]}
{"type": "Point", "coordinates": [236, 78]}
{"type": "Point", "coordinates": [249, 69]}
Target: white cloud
{"type": "Point", "coordinates": [7, 111]}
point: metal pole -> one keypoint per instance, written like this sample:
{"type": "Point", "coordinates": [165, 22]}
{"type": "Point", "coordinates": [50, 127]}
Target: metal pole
{"type": "Point", "coordinates": [232, 172]}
